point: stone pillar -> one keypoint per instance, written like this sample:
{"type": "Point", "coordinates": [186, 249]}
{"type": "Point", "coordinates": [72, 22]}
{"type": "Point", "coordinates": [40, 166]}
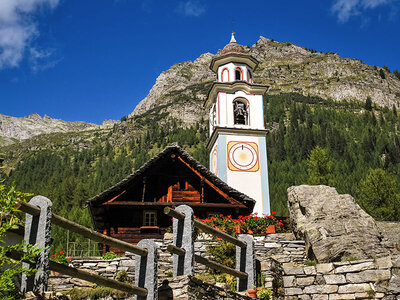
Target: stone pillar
{"type": "Point", "coordinates": [183, 238]}
{"type": "Point", "coordinates": [38, 232]}
{"type": "Point", "coordinates": [245, 262]}
{"type": "Point", "coordinates": [146, 270]}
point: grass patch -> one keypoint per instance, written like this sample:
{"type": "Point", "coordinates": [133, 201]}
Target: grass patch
{"type": "Point", "coordinates": [94, 293]}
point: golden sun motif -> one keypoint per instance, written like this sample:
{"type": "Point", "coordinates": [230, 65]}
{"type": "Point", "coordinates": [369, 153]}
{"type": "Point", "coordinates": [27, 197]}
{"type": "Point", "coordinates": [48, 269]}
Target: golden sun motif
{"type": "Point", "coordinates": [243, 156]}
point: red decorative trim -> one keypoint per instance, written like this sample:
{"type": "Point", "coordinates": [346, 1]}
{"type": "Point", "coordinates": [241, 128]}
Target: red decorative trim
{"type": "Point", "coordinates": [222, 75]}
{"type": "Point", "coordinates": [241, 73]}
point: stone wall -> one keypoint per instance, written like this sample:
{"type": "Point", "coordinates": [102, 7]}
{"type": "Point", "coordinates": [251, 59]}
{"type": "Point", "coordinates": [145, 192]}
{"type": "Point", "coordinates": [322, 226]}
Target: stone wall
{"type": "Point", "coordinates": [188, 287]}
{"type": "Point", "coordinates": [281, 247]}
{"type": "Point", "coordinates": [367, 278]}
{"type": "Point", "coordinates": [283, 261]}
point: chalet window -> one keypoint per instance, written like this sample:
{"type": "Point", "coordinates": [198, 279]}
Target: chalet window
{"type": "Point", "coordinates": [149, 218]}
{"type": "Point", "coordinates": [240, 112]}
{"type": "Point", "coordinates": [238, 74]}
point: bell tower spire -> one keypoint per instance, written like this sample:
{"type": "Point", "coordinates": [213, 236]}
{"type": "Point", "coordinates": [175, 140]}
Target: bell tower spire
{"type": "Point", "coordinates": [237, 143]}
{"type": "Point", "coordinates": [233, 40]}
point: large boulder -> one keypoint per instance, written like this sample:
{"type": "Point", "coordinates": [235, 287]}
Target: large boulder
{"type": "Point", "coordinates": [334, 226]}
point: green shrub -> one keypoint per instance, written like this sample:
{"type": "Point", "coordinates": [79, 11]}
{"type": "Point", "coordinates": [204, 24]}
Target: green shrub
{"type": "Point", "coordinates": [11, 219]}
{"type": "Point", "coordinates": [110, 255]}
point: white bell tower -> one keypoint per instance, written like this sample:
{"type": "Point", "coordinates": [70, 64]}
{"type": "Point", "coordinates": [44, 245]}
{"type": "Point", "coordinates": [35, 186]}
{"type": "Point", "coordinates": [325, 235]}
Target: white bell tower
{"type": "Point", "coordinates": [237, 144]}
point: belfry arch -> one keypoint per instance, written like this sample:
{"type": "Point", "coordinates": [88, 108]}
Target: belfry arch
{"type": "Point", "coordinates": [240, 111]}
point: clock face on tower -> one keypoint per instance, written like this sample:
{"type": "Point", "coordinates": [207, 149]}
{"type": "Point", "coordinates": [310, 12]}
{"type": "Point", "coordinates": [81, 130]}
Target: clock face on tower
{"type": "Point", "coordinates": [243, 156]}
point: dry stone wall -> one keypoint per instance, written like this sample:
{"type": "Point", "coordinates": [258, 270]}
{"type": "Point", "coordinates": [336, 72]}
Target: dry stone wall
{"type": "Point", "coordinates": [283, 261]}
{"type": "Point", "coordinates": [281, 247]}
{"type": "Point", "coordinates": [379, 279]}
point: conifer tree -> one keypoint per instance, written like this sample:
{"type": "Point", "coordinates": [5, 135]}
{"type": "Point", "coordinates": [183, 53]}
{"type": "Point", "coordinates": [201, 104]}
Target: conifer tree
{"type": "Point", "coordinates": [368, 103]}
{"type": "Point", "coordinates": [319, 166]}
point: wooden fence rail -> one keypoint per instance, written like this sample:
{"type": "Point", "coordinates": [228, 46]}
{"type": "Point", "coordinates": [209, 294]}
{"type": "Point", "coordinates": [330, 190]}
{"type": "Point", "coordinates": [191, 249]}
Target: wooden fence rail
{"type": "Point", "coordinates": [85, 275]}
{"type": "Point", "coordinates": [183, 248]}
{"type": "Point", "coordinates": [39, 219]}
{"type": "Point", "coordinates": [205, 228]}
{"type": "Point", "coordinates": [82, 230]}
{"type": "Point", "coordinates": [37, 231]}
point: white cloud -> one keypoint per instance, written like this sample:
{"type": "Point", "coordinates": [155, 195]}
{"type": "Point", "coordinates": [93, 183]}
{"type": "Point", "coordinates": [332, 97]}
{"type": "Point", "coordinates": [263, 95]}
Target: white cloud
{"type": "Point", "coordinates": [348, 8]}
{"type": "Point", "coordinates": [18, 28]}
{"type": "Point", "coordinates": [42, 59]}
{"type": "Point", "coordinates": [191, 8]}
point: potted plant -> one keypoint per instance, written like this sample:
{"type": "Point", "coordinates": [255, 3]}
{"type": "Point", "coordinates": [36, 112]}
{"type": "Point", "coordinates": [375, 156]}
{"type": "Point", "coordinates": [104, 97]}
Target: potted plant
{"type": "Point", "coordinates": [252, 293]}
{"type": "Point", "coordinates": [264, 294]}
{"type": "Point", "coordinates": [61, 259]}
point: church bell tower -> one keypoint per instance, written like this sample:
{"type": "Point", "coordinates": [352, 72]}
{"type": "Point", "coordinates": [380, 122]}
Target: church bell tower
{"type": "Point", "coordinates": [237, 144]}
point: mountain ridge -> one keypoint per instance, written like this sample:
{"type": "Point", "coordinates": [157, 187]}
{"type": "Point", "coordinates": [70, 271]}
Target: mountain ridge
{"type": "Point", "coordinates": [285, 68]}
{"type": "Point", "coordinates": [180, 91]}
{"type": "Point", "coordinates": [14, 129]}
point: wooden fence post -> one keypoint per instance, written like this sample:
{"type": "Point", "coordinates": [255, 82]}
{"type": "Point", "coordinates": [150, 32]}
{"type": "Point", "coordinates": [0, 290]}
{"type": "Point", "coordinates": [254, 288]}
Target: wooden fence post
{"type": "Point", "coordinates": [146, 270]}
{"type": "Point", "coordinates": [245, 262]}
{"type": "Point", "coordinates": [38, 232]}
{"type": "Point", "coordinates": [183, 238]}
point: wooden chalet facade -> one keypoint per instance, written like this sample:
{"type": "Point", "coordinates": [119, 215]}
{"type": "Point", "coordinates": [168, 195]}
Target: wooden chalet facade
{"type": "Point", "coordinates": [132, 209]}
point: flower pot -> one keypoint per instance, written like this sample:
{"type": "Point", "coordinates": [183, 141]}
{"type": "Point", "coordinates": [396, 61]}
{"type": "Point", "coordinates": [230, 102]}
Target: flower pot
{"type": "Point", "coordinates": [252, 293]}
{"type": "Point", "coordinates": [270, 229]}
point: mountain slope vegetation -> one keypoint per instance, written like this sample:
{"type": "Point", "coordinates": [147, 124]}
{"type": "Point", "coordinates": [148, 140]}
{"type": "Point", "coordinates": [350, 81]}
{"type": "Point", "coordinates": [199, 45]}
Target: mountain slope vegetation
{"type": "Point", "coordinates": [331, 121]}
{"type": "Point", "coordinates": [355, 140]}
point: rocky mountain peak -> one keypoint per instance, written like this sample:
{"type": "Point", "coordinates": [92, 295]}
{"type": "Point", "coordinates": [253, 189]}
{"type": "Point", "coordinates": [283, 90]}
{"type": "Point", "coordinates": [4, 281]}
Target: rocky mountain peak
{"type": "Point", "coordinates": [34, 116]}
{"type": "Point", "coordinates": [285, 68]}
{"type": "Point", "coordinates": [13, 128]}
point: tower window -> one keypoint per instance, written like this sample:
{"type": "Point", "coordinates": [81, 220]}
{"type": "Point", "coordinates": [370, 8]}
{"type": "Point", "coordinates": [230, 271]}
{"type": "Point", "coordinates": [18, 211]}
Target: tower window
{"type": "Point", "coordinates": [225, 75]}
{"type": "Point", "coordinates": [240, 113]}
{"type": "Point", "coordinates": [249, 77]}
{"type": "Point", "coordinates": [238, 74]}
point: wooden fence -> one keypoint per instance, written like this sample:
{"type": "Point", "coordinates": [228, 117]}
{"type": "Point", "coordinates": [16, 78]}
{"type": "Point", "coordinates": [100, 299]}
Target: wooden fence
{"type": "Point", "coordinates": [38, 231]}
{"type": "Point", "coordinates": [183, 248]}
{"type": "Point", "coordinates": [39, 220]}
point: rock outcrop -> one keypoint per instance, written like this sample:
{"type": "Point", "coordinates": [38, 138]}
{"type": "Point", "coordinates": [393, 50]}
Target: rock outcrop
{"type": "Point", "coordinates": [334, 226]}
{"type": "Point", "coordinates": [13, 129]}
{"type": "Point", "coordinates": [180, 91]}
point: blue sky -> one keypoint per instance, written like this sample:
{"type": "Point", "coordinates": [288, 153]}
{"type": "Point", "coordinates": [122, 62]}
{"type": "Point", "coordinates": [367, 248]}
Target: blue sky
{"type": "Point", "coordinates": [94, 60]}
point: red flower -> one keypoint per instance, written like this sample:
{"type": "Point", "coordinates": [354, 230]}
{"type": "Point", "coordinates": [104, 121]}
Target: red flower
{"type": "Point", "coordinates": [69, 259]}
{"type": "Point", "coordinates": [274, 213]}
{"type": "Point", "coordinates": [61, 252]}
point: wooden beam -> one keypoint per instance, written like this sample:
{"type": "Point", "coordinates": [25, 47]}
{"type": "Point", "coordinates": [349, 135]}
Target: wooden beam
{"type": "Point", "coordinates": [82, 230]}
{"type": "Point", "coordinates": [176, 250]}
{"type": "Point", "coordinates": [217, 233]}
{"type": "Point", "coordinates": [85, 275]}
{"type": "Point", "coordinates": [219, 267]}
{"type": "Point", "coordinates": [144, 188]}
{"type": "Point", "coordinates": [223, 194]}
{"type": "Point", "coordinates": [173, 213]}
{"type": "Point", "coordinates": [205, 228]}
{"type": "Point", "coordinates": [207, 262]}
{"type": "Point", "coordinates": [192, 204]}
